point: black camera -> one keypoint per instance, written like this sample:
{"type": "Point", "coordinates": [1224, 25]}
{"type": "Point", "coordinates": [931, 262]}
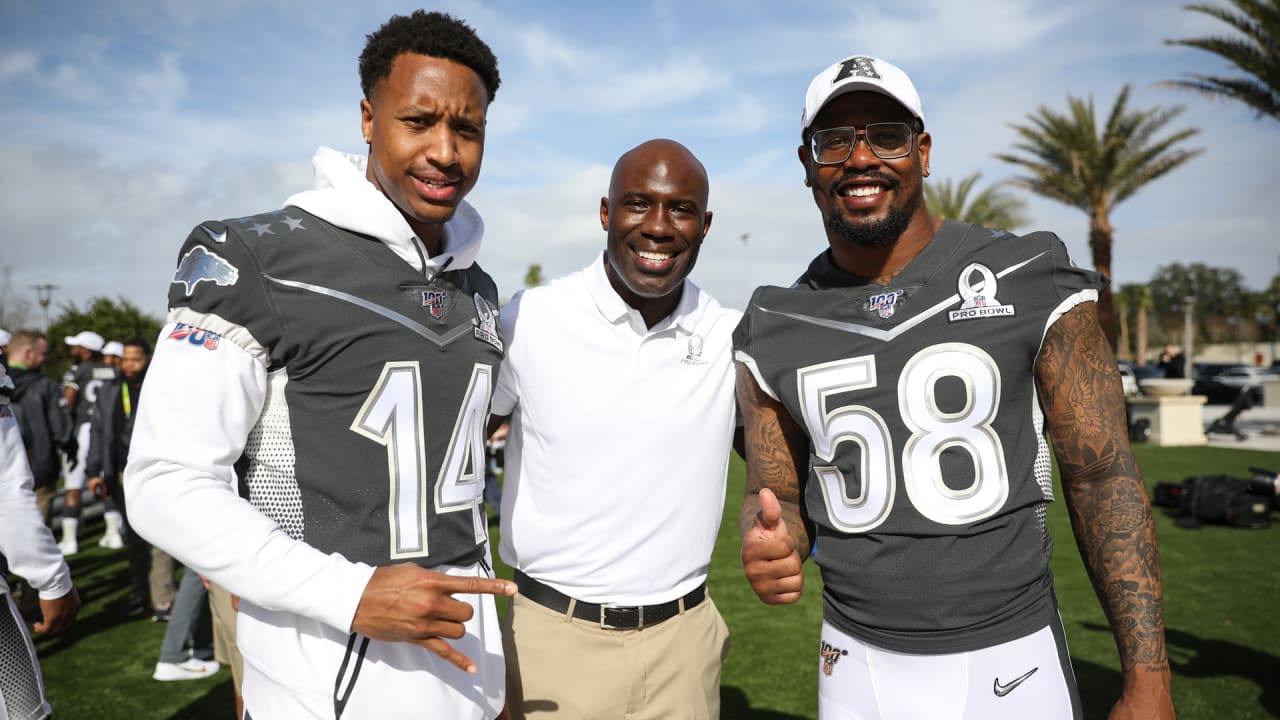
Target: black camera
{"type": "Point", "coordinates": [1222, 500]}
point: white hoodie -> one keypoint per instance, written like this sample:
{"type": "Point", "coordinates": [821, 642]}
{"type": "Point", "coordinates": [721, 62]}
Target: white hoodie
{"type": "Point", "coordinates": [345, 197]}
{"type": "Point", "coordinates": [180, 479]}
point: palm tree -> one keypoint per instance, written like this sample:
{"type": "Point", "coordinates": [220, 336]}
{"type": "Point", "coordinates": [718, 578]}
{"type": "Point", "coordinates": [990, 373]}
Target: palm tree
{"type": "Point", "coordinates": [1071, 160]}
{"type": "Point", "coordinates": [1255, 52]}
{"type": "Point", "coordinates": [1122, 300]}
{"type": "Point", "coordinates": [1144, 302]}
{"type": "Point", "coordinates": [1133, 300]}
{"type": "Point", "coordinates": [991, 208]}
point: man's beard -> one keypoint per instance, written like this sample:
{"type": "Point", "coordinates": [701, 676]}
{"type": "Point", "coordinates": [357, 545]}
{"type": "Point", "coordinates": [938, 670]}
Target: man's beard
{"type": "Point", "coordinates": [871, 233]}
{"type": "Point", "coordinates": [874, 233]}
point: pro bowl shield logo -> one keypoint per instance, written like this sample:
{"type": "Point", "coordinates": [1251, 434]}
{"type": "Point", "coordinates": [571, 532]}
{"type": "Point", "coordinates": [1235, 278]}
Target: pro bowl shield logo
{"type": "Point", "coordinates": [200, 264]}
{"type": "Point", "coordinates": [694, 356]}
{"type": "Point", "coordinates": [830, 655]}
{"type": "Point", "coordinates": [884, 304]}
{"type": "Point", "coordinates": [977, 287]}
{"type": "Point", "coordinates": [486, 323]}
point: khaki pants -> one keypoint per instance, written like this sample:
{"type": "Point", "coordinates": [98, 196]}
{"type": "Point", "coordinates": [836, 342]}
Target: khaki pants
{"type": "Point", "coordinates": [224, 633]}
{"type": "Point", "coordinates": [563, 668]}
{"type": "Point", "coordinates": [163, 586]}
{"type": "Point", "coordinates": [44, 499]}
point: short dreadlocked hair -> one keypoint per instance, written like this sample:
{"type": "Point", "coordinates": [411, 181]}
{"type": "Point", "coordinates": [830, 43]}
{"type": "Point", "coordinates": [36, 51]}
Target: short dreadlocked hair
{"type": "Point", "coordinates": [426, 33]}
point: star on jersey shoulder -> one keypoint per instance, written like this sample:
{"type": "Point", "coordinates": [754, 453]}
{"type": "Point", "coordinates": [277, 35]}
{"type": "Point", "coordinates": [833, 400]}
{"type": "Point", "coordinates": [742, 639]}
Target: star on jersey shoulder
{"type": "Point", "coordinates": [293, 223]}
{"type": "Point", "coordinates": [262, 229]}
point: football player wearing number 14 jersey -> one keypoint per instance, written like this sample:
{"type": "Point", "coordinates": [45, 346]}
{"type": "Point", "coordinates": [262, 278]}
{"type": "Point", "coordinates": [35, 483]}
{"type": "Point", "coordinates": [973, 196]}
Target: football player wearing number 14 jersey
{"type": "Point", "coordinates": [338, 356]}
{"type": "Point", "coordinates": [894, 403]}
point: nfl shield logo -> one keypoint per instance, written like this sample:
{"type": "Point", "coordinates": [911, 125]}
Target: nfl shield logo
{"type": "Point", "coordinates": [434, 302]}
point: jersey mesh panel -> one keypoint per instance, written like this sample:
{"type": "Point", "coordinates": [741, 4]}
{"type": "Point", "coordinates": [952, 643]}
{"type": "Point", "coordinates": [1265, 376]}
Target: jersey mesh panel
{"type": "Point", "coordinates": [19, 689]}
{"type": "Point", "coordinates": [1043, 468]}
{"type": "Point", "coordinates": [271, 477]}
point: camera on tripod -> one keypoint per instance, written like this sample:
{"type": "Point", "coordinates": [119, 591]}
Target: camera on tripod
{"type": "Point", "coordinates": [1222, 499]}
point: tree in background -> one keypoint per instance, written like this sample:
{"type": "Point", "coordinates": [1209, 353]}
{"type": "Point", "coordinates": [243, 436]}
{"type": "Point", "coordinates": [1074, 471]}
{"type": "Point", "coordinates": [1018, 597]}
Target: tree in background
{"type": "Point", "coordinates": [991, 208]}
{"type": "Point", "coordinates": [119, 320]}
{"type": "Point", "coordinates": [1254, 51]}
{"type": "Point", "coordinates": [1122, 301]}
{"type": "Point", "coordinates": [1069, 158]}
{"type": "Point", "coordinates": [1221, 301]}
{"type": "Point", "coordinates": [533, 276]}
{"type": "Point", "coordinates": [1133, 301]}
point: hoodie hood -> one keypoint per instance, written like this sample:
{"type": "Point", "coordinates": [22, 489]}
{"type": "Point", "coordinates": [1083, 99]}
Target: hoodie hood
{"type": "Point", "coordinates": [344, 197]}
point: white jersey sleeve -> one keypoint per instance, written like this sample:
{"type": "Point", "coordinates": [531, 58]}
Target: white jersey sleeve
{"type": "Point", "coordinates": [181, 487]}
{"type": "Point", "coordinates": [25, 541]}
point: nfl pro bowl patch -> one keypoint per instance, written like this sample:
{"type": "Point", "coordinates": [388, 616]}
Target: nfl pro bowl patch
{"type": "Point", "coordinates": [486, 323]}
{"type": "Point", "coordinates": [977, 287]}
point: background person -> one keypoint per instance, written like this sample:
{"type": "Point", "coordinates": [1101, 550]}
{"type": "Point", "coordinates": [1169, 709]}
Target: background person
{"type": "Point", "coordinates": [28, 546]}
{"type": "Point", "coordinates": [151, 570]}
{"type": "Point", "coordinates": [80, 385]}
{"type": "Point", "coordinates": [42, 415]}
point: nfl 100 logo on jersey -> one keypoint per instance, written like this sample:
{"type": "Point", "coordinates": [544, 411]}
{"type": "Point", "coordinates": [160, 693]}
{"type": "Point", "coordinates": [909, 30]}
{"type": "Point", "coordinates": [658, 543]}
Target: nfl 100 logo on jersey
{"type": "Point", "coordinates": [437, 302]}
{"type": "Point", "coordinates": [977, 286]}
{"type": "Point", "coordinates": [830, 656]}
{"type": "Point", "coordinates": [884, 304]}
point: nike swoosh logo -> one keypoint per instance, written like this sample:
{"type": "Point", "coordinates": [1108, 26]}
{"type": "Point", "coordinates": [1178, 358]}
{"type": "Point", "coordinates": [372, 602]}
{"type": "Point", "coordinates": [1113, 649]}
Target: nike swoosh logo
{"type": "Point", "coordinates": [218, 238]}
{"type": "Point", "coordinates": [1002, 690]}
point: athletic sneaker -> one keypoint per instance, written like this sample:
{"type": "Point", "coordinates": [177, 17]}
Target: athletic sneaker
{"type": "Point", "coordinates": [69, 546]}
{"type": "Point", "coordinates": [189, 669]}
{"type": "Point", "coordinates": [111, 541]}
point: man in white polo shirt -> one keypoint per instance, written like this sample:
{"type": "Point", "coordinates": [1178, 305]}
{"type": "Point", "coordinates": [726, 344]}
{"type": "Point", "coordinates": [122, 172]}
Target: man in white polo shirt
{"type": "Point", "coordinates": [619, 384]}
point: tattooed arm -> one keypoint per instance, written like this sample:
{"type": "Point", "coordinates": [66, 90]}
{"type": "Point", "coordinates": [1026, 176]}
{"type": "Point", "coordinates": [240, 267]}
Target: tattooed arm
{"type": "Point", "coordinates": [1084, 407]}
{"type": "Point", "coordinates": [775, 534]}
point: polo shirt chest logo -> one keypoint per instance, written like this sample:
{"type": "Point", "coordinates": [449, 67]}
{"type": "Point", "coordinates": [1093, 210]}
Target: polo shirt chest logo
{"type": "Point", "coordinates": [694, 355]}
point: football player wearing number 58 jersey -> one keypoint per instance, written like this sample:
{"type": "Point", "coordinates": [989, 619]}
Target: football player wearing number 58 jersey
{"type": "Point", "coordinates": [337, 357]}
{"type": "Point", "coordinates": [895, 402]}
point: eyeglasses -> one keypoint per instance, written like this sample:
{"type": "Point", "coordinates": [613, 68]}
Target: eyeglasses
{"type": "Point", "coordinates": [888, 141]}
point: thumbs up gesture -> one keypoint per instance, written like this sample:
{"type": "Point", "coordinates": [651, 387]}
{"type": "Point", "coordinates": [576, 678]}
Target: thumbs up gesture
{"type": "Point", "coordinates": [769, 556]}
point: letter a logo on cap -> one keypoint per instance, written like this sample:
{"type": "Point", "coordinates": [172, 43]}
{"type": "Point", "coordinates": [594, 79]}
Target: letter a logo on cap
{"type": "Point", "coordinates": [857, 67]}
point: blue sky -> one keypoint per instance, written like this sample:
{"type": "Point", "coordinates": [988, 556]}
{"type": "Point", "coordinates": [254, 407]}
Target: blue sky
{"type": "Point", "coordinates": [124, 124]}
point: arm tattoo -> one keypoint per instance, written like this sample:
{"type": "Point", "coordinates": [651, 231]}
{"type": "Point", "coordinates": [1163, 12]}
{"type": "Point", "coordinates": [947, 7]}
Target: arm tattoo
{"type": "Point", "coordinates": [1085, 412]}
{"type": "Point", "coordinates": [777, 458]}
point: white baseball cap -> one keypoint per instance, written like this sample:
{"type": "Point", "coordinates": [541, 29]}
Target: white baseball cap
{"type": "Point", "coordinates": [86, 339]}
{"type": "Point", "coordinates": [860, 72]}
{"type": "Point", "coordinates": [113, 348]}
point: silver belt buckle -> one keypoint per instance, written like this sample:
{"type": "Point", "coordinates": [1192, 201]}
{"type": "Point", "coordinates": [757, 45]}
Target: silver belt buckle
{"type": "Point", "coordinates": [604, 622]}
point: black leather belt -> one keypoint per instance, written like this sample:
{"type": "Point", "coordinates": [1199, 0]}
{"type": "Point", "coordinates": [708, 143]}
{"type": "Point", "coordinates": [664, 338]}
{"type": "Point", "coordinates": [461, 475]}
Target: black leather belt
{"type": "Point", "coordinates": [609, 616]}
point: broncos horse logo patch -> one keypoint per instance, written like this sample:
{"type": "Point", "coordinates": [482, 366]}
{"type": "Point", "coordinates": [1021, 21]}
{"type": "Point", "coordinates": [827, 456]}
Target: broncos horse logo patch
{"type": "Point", "coordinates": [200, 264]}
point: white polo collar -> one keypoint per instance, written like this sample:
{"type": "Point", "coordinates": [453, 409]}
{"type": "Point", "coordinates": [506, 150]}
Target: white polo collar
{"type": "Point", "coordinates": [615, 310]}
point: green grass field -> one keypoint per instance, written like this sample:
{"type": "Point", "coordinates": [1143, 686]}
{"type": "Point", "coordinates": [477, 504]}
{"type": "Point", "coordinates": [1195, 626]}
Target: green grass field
{"type": "Point", "coordinates": [1222, 604]}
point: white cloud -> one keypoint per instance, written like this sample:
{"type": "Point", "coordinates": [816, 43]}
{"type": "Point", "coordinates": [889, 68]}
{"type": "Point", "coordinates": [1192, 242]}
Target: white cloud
{"type": "Point", "coordinates": [163, 86]}
{"type": "Point", "coordinates": [17, 64]}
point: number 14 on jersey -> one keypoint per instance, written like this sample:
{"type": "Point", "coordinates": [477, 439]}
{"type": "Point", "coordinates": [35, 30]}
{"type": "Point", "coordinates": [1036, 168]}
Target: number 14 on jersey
{"type": "Point", "coordinates": [392, 416]}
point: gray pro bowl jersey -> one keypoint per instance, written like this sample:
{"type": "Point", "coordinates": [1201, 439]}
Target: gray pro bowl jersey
{"type": "Point", "coordinates": [371, 439]}
{"type": "Point", "coordinates": [87, 378]}
{"type": "Point", "coordinates": [928, 470]}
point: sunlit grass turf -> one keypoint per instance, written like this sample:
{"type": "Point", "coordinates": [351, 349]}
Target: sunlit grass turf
{"type": "Point", "coordinates": [1222, 603]}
